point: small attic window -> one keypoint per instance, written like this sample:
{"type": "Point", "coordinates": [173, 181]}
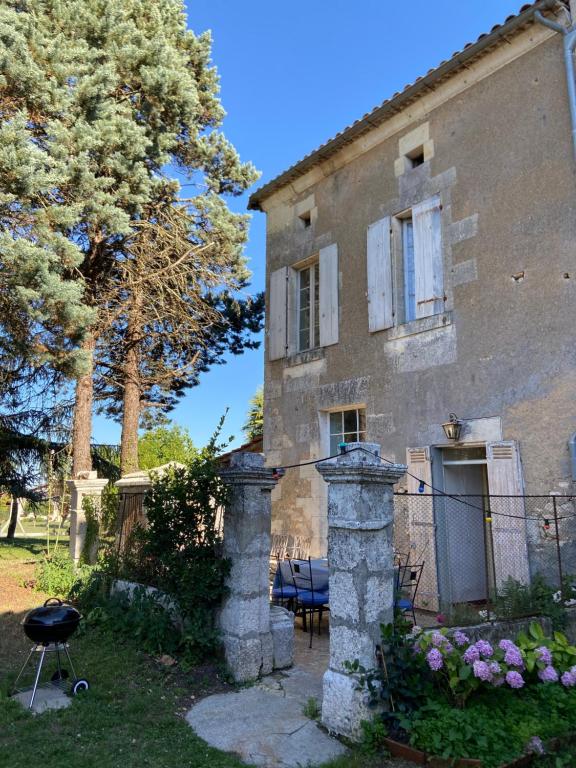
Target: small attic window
{"type": "Point", "coordinates": [306, 219]}
{"type": "Point", "coordinates": [416, 157]}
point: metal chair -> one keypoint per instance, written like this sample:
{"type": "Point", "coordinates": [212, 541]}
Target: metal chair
{"type": "Point", "coordinates": [282, 591]}
{"type": "Point", "coordinates": [407, 581]}
{"type": "Point", "coordinates": [307, 598]}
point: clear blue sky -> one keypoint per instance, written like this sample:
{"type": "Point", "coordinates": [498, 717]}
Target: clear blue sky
{"type": "Point", "coordinates": [294, 73]}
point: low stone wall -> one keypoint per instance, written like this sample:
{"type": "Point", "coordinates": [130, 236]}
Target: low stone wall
{"type": "Point", "coordinates": [495, 631]}
{"type": "Point", "coordinates": [128, 588]}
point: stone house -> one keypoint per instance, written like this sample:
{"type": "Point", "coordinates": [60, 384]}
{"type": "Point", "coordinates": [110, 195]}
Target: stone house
{"type": "Point", "coordinates": [421, 263]}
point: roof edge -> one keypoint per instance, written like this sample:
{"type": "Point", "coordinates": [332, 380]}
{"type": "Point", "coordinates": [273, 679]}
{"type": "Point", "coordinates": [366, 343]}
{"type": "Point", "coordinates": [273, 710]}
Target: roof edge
{"type": "Point", "coordinates": [396, 103]}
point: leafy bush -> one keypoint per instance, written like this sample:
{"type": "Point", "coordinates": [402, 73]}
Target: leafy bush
{"type": "Point", "coordinates": [497, 727]}
{"type": "Point", "coordinates": [56, 574]}
{"type": "Point", "coordinates": [535, 599]}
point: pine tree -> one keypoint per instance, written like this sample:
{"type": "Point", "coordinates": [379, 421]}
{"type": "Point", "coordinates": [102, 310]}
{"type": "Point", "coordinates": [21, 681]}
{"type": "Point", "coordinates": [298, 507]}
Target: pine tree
{"type": "Point", "coordinates": [254, 426]}
{"type": "Point", "coordinates": [101, 97]}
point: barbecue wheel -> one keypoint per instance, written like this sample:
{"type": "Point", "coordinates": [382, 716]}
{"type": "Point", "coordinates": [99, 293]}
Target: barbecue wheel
{"type": "Point", "coordinates": [80, 685]}
{"type": "Point", "coordinates": [60, 674]}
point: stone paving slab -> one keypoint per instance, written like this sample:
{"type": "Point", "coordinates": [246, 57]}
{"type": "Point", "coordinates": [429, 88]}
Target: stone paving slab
{"type": "Point", "coordinates": [46, 698]}
{"type": "Point", "coordinates": [264, 725]}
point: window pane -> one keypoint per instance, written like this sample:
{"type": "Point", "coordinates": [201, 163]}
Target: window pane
{"type": "Point", "coordinates": [304, 339]}
{"type": "Point", "coordinates": [362, 420]}
{"type": "Point", "coordinates": [351, 437]}
{"type": "Point", "coordinates": [409, 274]}
{"type": "Point", "coordinates": [336, 423]}
{"type": "Point", "coordinates": [304, 278]}
{"type": "Point", "coordinates": [334, 442]}
{"type": "Point", "coordinates": [350, 421]}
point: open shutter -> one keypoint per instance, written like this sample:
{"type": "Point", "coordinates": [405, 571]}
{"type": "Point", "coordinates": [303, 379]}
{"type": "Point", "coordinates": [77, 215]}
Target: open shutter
{"type": "Point", "coordinates": [277, 315]}
{"type": "Point", "coordinates": [428, 258]}
{"type": "Point", "coordinates": [379, 268]}
{"type": "Point", "coordinates": [328, 295]}
{"type": "Point", "coordinates": [509, 539]}
{"type": "Point", "coordinates": [422, 528]}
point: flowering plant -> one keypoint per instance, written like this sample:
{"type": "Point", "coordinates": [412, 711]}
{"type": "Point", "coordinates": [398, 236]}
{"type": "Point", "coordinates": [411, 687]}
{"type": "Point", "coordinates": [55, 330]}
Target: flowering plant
{"type": "Point", "coordinates": [460, 666]}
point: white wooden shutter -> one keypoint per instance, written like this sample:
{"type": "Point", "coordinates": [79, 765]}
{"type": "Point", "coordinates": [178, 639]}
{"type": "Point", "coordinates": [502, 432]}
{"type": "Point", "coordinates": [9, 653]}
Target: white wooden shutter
{"type": "Point", "coordinates": [379, 268]}
{"type": "Point", "coordinates": [328, 295]}
{"type": "Point", "coordinates": [428, 264]}
{"type": "Point", "coordinates": [277, 314]}
{"type": "Point", "coordinates": [422, 528]}
{"type": "Point", "coordinates": [509, 539]}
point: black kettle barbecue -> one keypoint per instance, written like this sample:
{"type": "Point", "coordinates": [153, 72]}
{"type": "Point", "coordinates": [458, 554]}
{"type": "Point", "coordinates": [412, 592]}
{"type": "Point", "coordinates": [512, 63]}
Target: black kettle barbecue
{"type": "Point", "coordinates": [49, 628]}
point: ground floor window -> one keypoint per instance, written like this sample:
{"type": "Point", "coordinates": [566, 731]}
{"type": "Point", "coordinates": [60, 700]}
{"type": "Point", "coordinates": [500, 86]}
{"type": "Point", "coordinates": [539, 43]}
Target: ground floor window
{"type": "Point", "coordinates": [347, 427]}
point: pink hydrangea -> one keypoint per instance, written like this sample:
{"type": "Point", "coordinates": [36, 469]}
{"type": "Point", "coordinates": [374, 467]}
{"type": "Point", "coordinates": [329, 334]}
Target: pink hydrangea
{"type": "Point", "coordinates": [434, 659]}
{"type": "Point", "coordinates": [514, 679]}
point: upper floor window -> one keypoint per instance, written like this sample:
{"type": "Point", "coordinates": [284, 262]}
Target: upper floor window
{"type": "Point", "coordinates": [405, 266]}
{"type": "Point", "coordinates": [309, 307]}
{"type": "Point", "coordinates": [347, 427]}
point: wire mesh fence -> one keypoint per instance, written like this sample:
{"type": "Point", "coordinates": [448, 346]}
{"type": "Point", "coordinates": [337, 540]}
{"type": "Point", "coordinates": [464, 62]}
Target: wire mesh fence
{"type": "Point", "coordinates": [483, 555]}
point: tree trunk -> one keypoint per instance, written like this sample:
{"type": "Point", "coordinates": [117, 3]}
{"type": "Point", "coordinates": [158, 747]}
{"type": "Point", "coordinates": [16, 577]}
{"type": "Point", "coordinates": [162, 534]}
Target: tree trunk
{"type": "Point", "coordinates": [131, 400]}
{"type": "Point", "coordinates": [82, 429]}
{"type": "Point", "coordinates": [13, 519]}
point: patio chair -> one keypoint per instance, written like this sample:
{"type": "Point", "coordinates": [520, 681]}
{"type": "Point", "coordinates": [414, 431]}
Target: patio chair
{"type": "Point", "coordinates": [407, 581]}
{"type": "Point", "coordinates": [282, 591]}
{"type": "Point", "coordinates": [310, 601]}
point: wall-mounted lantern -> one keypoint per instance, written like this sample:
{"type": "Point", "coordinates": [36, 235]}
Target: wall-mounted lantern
{"type": "Point", "coordinates": [452, 428]}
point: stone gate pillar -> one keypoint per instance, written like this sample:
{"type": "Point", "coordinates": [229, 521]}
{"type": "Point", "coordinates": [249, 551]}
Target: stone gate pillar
{"type": "Point", "coordinates": [245, 616]}
{"type": "Point", "coordinates": [361, 563]}
{"type": "Point", "coordinates": [80, 488]}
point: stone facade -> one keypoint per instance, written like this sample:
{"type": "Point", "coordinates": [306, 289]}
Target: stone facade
{"type": "Point", "coordinates": [491, 145]}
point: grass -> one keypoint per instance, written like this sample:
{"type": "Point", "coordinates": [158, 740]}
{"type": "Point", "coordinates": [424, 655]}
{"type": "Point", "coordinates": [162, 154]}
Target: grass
{"type": "Point", "coordinates": [23, 548]}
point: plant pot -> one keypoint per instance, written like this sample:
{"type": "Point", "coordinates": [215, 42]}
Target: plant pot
{"type": "Point", "coordinates": [398, 749]}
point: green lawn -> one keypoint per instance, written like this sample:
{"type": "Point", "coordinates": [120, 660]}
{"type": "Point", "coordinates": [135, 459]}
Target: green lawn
{"type": "Point", "coordinates": [24, 548]}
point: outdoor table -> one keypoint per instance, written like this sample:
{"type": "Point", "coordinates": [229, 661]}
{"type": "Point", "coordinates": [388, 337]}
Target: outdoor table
{"type": "Point", "coordinates": [319, 568]}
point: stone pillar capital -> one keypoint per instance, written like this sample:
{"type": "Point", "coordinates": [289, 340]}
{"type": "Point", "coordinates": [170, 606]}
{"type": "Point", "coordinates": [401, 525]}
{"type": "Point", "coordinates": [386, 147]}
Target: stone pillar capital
{"type": "Point", "coordinates": [360, 463]}
{"type": "Point", "coordinates": [248, 469]}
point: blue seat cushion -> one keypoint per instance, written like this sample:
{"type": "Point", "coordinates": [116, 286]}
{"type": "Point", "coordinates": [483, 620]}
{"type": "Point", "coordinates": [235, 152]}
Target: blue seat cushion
{"type": "Point", "coordinates": [286, 592]}
{"type": "Point", "coordinates": [404, 604]}
{"type": "Point", "coordinates": [313, 598]}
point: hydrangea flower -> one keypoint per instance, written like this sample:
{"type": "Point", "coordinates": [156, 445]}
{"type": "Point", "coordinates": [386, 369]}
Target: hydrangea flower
{"type": "Point", "coordinates": [544, 655]}
{"type": "Point", "coordinates": [497, 681]}
{"type": "Point", "coordinates": [484, 648]}
{"type": "Point", "coordinates": [434, 659]}
{"type": "Point", "coordinates": [494, 667]}
{"type": "Point", "coordinates": [568, 679]}
{"type": "Point", "coordinates": [535, 746]}
{"type": "Point", "coordinates": [513, 658]}
{"type": "Point", "coordinates": [437, 639]}
{"type": "Point", "coordinates": [471, 654]}
{"type": "Point", "coordinates": [548, 675]}
{"type": "Point", "coordinates": [506, 644]}
{"type": "Point", "coordinates": [448, 647]}
{"type": "Point", "coordinates": [482, 671]}
{"type": "Point", "coordinates": [460, 638]}
{"type": "Point", "coordinates": [514, 679]}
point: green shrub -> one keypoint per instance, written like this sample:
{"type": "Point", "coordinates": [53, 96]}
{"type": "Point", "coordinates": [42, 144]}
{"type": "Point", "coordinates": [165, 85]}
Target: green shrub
{"type": "Point", "coordinates": [496, 727]}
{"type": "Point", "coordinates": [56, 574]}
{"type": "Point", "coordinates": [535, 599]}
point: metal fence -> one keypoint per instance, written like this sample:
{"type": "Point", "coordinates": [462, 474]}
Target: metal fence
{"type": "Point", "coordinates": [481, 554]}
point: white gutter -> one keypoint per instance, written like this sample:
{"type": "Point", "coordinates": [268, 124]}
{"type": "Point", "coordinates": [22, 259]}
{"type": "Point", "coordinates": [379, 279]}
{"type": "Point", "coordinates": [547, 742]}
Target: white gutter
{"type": "Point", "coordinates": [569, 40]}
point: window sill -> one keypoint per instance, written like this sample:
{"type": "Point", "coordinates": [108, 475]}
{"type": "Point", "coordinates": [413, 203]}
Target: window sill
{"type": "Point", "coordinates": [423, 324]}
{"type": "Point", "coordinates": [300, 358]}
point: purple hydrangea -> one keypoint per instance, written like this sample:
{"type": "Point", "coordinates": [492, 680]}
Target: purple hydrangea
{"type": "Point", "coordinates": [437, 639]}
{"type": "Point", "coordinates": [494, 668]}
{"type": "Point", "coordinates": [548, 675]}
{"type": "Point", "coordinates": [460, 638]}
{"type": "Point", "coordinates": [434, 659]}
{"type": "Point", "coordinates": [513, 658]}
{"type": "Point", "coordinates": [514, 679]}
{"type": "Point", "coordinates": [568, 679]}
{"type": "Point", "coordinates": [448, 647]}
{"type": "Point", "coordinates": [544, 655]}
{"type": "Point", "coordinates": [497, 681]}
{"type": "Point", "coordinates": [471, 654]}
{"type": "Point", "coordinates": [506, 645]}
{"type": "Point", "coordinates": [484, 648]}
{"type": "Point", "coordinates": [482, 671]}
{"type": "Point", "coordinates": [535, 746]}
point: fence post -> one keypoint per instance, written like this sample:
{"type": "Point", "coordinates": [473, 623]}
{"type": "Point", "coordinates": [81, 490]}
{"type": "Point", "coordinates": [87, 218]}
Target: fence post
{"type": "Point", "coordinates": [245, 616]}
{"type": "Point", "coordinates": [80, 488]}
{"type": "Point", "coordinates": [558, 549]}
{"type": "Point", "coordinates": [361, 579]}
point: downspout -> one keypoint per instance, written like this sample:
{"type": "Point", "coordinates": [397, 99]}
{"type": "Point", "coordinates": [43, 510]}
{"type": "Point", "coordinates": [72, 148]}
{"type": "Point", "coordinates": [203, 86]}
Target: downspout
{"type": "Point", "coordinates": [572, 446]}
{"type": "Point", "coordinates": [569, 39]}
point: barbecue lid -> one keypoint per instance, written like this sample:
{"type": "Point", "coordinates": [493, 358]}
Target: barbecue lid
{"type": "Point", "coordinates": [54, 611]}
